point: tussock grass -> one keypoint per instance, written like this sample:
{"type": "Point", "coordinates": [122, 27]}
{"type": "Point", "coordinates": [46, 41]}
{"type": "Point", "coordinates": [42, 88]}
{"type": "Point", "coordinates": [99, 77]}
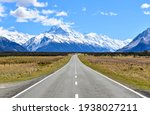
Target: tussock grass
{"type": "Point", "coordinates": [129, 70]}
{"type": "Point", "coordinates": [18, 68]}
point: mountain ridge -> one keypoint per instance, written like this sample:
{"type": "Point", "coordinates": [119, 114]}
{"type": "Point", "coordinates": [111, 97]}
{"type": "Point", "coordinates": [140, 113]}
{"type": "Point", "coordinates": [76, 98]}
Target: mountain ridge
{"type": "Point", "coordinates": [139, 44]}
{"type": "Point", "coordinates": [64, 39]}
{"type": "Point", "coordinates": [9, 46]}
{"type": "Point", "coordinates": [65, 36]}
{"type": "Point", "coordinates": [15, 36]}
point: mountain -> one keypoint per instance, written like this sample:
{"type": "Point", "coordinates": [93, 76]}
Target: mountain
{"type": "Point", "coordinates": [65, 39]}
{"type": "Point", "coordinates": [15, 36]}
{"type": "Point", "coordinates": [139, 44]}
{"type": "Point", "coordinates": [9, 46]}
{"type": "Point", "coordinates": [105, 41]}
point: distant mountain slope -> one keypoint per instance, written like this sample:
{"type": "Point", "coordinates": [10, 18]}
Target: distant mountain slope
{"type": "Point", "coordinates": [9, 46]}
{"type": "Point", "coordinates": [65, 39]}
{"type": "Point", "coordinates": [139, 44]}
{"type": "Point", "coordinates": [15, 36]}
{"type": "Point", "coordinates": [105, 41]}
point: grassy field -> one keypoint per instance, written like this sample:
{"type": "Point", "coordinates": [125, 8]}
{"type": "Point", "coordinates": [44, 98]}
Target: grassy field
{"type": "Point", "coordinates": [18, 68]}
{"type": "Point", "coordinates": [129, 70]}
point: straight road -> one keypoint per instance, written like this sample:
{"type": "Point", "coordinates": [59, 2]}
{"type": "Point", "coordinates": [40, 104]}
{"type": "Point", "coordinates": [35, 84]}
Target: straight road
{"type": "Point", "coordinates": [76, 80]}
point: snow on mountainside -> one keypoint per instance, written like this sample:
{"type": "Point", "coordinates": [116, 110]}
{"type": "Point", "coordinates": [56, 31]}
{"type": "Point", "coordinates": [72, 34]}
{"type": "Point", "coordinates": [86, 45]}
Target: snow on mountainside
{"type": "Point", "coordinates": [105, 41]}
{"type": "Point", "coordinates": [139, 44]}
{"type": "Point", "coordinates": [54, 35]}
{"type": "Point", "coordinates": [15, 36]}
{"type": "Point", "coordinates": [66, 39]}
{"type": "Point", "coordinates": [9, 46]}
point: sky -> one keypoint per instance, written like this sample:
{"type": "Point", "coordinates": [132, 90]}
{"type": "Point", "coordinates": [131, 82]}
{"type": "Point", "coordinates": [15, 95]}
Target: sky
{"type": "Point", "coordinates": [119, 19]}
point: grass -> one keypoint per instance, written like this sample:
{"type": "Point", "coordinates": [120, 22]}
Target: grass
{"type": "Point", "coordinates": [129, 70]}
{"type": "Point", "coordinates": [20, 68]}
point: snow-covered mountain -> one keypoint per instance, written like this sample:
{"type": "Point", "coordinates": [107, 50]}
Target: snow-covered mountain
{"type": "Point", "coordinates": [139, 44]}
{"type": "Point", "coordinates": [9, 46]}
{"type": "Point", "coordinates": [107, 42]}
{"type": "Point", "coordinates": [65, 39]}
{"type": "Point", "coordinates": [15, 36]}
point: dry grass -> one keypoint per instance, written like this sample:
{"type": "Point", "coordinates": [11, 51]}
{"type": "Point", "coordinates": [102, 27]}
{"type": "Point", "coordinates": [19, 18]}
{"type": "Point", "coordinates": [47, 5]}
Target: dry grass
{"type": "Point", "coordinates": [132, 71]}
{"type": "Point", "coordinates": [28, 67]}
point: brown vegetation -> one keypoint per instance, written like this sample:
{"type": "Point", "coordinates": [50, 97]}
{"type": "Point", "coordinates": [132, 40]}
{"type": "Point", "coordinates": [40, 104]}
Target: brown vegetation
{"type": "Point", "coordinates": [133, 71]}
{"type": "Point", "coordinates": [17, 68]}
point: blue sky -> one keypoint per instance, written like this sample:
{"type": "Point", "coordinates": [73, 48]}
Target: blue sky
{"type": "Point", "coordinates": [120, 19]}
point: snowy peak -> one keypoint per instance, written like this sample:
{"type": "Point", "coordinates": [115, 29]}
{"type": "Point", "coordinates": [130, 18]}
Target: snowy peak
{"type": "Point", "coordinates": [139, 44]}
{"type": "Point", "coordinates": [146, 32]}
{"type": "Point", "coordinates": [9, 46]}
{"type": "Point", "coordinates": [64, 30]}
{"type": "Point", "coordinates": [107, 42]}
{"type": "Point", "coordinates": [57, 30]}
{"type": "Point", "coordinates": [63, 38]}
{"type": "Point", "coordinates": [15, 36]}
{"type": "Point", "coordinates": [71, 40]}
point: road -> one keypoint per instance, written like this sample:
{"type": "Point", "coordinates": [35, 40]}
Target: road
{"type": "Point", "coordinates": [76, 80]}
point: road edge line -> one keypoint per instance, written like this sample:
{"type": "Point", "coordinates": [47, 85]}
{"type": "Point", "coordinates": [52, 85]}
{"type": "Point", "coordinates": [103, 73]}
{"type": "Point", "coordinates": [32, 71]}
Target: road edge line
{"type": "Point", "coordinates": [15, 96]}
{"type": "Point", "coordinates": [141, 95]}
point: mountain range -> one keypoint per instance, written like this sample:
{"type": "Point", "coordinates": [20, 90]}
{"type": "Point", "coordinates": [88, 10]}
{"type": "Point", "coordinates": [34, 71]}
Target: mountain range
{"type": "Point", "coordinates": [139, 44]}
{"type": "Point", "coordinates": [9, 46]}
{"type": "Point", "coordinates": [15, 36]}
{"type": "Point", "coordinates": [65, 39]}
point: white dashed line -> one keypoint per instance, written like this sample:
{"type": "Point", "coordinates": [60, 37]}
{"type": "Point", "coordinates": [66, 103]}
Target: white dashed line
{"type": "Point", "coordinates": [76, 83]}
{"type": "Point", "coordinates": [76, 76]}
{"type": "Point", "coordinates": [76, 95]}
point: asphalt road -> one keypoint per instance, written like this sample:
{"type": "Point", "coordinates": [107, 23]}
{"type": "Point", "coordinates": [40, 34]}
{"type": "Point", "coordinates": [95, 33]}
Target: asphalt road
{"type": "Point", "coordinates": [76, 80]}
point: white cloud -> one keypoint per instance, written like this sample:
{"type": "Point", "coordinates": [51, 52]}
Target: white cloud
{"type": "Point", "coordinates": [104, 13]}
{"type": "Point", "coordinates": [24, 3]}
{"type": "Point", "coordinates": [58, 14]}
{"type": "Point", "coordinates": [113, 14]}
{"type": "Point", "coordinates": [84, 9]}
{"type": "Point", "coordinates": [108, 13]}
{"type": "Point", "coordinates": [24, 15]}
{"type": "Point", "coordinates": [147, 12]}
{"type": "Point", "coordinates": [51, 22]}
{"type": "Point", "coordinates": [8, 1]}
{"type": "Point", "coordinates": [62, 13]}
{"type": "Point", "coordinates": [145, 6]}
{"type": "Point", "coordinates": [2, 10]}
{"type": "Point", "coordinates": [46, 12]}
{"type": "Point", "coordinates": [31, 2]}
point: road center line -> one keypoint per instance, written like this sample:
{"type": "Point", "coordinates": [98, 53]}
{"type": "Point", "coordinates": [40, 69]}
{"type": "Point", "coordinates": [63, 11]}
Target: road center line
{"type": "Point", "coordinates": [76, 76]}
{"type": "Point", "coordinates": [76, 95]}
{"type": "Point", "coordinates": [75, 68]}
{"type": "Point", "coordinates": [76, 83]}
{"type": "Point", "coordinates": [39, 82]}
